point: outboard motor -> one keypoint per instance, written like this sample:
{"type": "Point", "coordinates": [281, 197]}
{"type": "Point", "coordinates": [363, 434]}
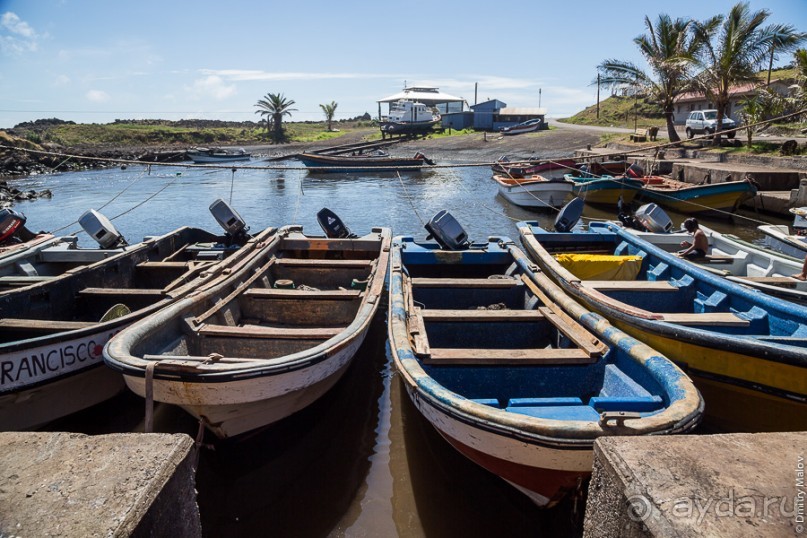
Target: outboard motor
{"type": "Point", "coordinates": [634, 171]}
{"type": "Point", "coordinates": [654, 219]}
{"type": "Point", "coordinates": [332, 225]}
{"type": "Point", "coordinates": [101, 229]}
{"type": "Point", "coordinates": [448, 233]}
{"type": "Point", "coordinates": [569, 215]}
{"type": "Point", "coordinates": [229, 219]}
{"type": "Point", "coordinates": [12, 227]}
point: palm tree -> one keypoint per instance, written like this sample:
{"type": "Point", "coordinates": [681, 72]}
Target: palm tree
{"type": "Point", "coordinates": [785, 39]}
{"type": "Point", "coordinates": [735, 48]}
{"type": "Point", "coordinates": [329, 111]}
{"type": "Point", "coordinates": [669, 47]}
{"type": "Point", "coordinates": [275, 106]}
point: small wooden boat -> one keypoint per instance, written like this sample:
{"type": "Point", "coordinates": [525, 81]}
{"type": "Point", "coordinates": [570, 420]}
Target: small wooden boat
{"type": "Point", "coordinates": [354, 164]}
{"type": "Point", "coordinates": [605, 190]}
{"type": "Point", "coordinates": [714, 199]}
{"type": "Point", "coordinates": [745, 350]}
{"type": "Point", "coordinates": [52, 332]}
{"type": "Point", "coordinates": [520, 169]}
{"type": "Point", "coordinates": [265, 342]}
{"type": "Point", "coordinates": [528, 126]}
{"type": "Point", "coordinates": [217, 155]}
{"type": "Point", "coordinates": [516, 375]}
{"type": "Point", "coordinates": [534, 191]}
{"type": "Point", "coordinates": [780, 238]}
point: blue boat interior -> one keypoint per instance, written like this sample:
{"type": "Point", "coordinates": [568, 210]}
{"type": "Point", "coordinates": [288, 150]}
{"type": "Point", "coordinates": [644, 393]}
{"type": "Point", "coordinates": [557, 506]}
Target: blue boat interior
{"type": "Point", "coordinates": [491, 340]}
{"type": "Point", "coordinates": [693, 297]}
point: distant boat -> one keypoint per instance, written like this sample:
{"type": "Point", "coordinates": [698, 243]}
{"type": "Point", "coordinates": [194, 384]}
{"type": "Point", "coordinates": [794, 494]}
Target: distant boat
{"type": "Point", "coordinates": [52, 331]}
{"type": "Point", "coordinates": [714, 199]}
{"type": "Point", "coordinates": [217, 155]}
{"type": "Point", "coordinates": [268, 339]}
{"type": "Point", "coordinates": [363, 163]}
{"type": "Point", "coordinates": [605, 190]}
{"type": "Point", "coordinates": [547, 169]}
{"type": "Point", "coordinates": [745, 350]}
{"type": "Point", "coordinates": [512, 372]}
{"type": "Point", "coordinates": [534, 191]}
{"type": "Point", "coordinates": [525, 127]}
{"type": "Point", "coordinates": [408, 117]}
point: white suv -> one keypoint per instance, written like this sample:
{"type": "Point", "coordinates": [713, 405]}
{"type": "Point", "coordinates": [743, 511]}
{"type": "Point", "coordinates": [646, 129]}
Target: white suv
{"type": "Point", "coordinates": [705, 122]}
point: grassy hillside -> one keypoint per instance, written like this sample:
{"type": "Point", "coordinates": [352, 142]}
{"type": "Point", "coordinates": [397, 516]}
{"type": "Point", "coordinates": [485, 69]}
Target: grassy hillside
{"type": "Point", "coordinates": [616, 111]}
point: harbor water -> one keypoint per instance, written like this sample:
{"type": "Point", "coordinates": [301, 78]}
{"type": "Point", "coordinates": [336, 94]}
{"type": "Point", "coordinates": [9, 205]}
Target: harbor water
{"type": "Point", "coordinates": [360, 461]}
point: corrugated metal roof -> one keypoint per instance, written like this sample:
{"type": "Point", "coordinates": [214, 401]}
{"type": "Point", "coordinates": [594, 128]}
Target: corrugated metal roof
{"type": "Point", "coordinates": [422, 94]}
{"type": "Point", "coordinates": [521, 111]}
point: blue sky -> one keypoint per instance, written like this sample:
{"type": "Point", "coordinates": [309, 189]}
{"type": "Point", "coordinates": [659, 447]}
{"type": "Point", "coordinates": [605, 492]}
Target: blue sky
{"type": "Point", "coordinates": [94, 61]}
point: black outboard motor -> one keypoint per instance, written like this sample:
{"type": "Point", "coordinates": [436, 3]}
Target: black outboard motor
{"type": "Point", "coordinates": [448, 233]}
{"type": "Point", "coordinates": [634, 171]}
{"type": "Point", "coordinates": [332, 225]}
{"type": "Point", "coordinates": [101, 229]}
{"type": "Point", "coordinates": [12, 227]}
{"type": "Point", "coordinates": [569, 215]}
{"type": "Point", "coordinates": [228, 218]}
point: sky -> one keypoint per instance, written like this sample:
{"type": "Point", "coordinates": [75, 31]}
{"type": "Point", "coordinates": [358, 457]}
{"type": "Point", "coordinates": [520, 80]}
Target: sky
{"type": "Point", "coordinates": [95, 61]}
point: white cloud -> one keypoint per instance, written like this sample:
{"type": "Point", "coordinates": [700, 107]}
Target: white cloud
{"type": "Point", "coordinates": [254, 74]}
{"type": "Point", "coordinates": [16, 35]}
{"type": "Point", "coordinates": [97, 96]}
{"type": "Point", "coordinates": [61, 80]}
{"type": "Point", "coordinates": [212, 86]}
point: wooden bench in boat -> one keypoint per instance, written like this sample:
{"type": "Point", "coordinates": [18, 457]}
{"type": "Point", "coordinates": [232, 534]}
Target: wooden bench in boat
{"type": "Point", "coordinates": [165, 265]}
{"type": "Point", "coordinates": [324, 263]}
{"type": "Point", "coordinates": [123, 292]}
{"type": "Point", "coordinates": [780, 281]}
{"type": "Point", "coordinates": [19, 280]}
{"type": "Point", "coordinates": [43, 324]}
{"type": "Point", "coordinates": [259, 331]}
{"type": "Point", "coordinates": [710, 258]}
{"type": "Point", "coordinates": [479, 357]}
{"type": "Point", "coordinates": [272, 293]}
{"type": "Point", "coordinates": [481, 315]}
{"type": "Point", "coordinates": [630, 285]}
{"type": "Point", "coordinates": [421, 282]}
{"type": "Point", "coordinates": [718, 319]}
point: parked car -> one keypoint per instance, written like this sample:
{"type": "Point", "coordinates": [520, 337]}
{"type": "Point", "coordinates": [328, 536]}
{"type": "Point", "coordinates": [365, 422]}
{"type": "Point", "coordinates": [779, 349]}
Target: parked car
{"type": "Point", "coordinates": [705, 122]}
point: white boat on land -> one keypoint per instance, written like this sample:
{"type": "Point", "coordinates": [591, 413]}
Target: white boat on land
{"type": "Point", "coordinates": [534, 191]}
{"type": "Point", "coordinates": [264, 342]}
{"type": "Point", "coordinates": [408, 117]}
{"type": "Point", "coordinates": [528, 126]}
{"type": "Point", "coordinates": [217, 155]}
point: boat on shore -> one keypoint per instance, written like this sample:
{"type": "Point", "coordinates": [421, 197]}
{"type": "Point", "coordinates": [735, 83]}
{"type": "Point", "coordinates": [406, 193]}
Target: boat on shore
{"type": "Point", "coordinates": [264, 342]}
{"type": "Point", "coordinates": [745, 350]}
{"type": "Point", "coordinates": [605, 190]}
{"type": "Point", "coordinates": [535, 192]}
{"type": "Point", "coordinates": [528, 126]}
{"type": "Point", "coordinates": [714, 199]}
{"type": "Point", "coordinates": [409, 117]}
{"type": "Point", "coordinates": [217, 155]}
{"type": "Point", "coordinates": [512, 372]}
{"type": "Point", "coordinates": [52, 332]}
{"type": "Point", "coordinates": [354, 164]}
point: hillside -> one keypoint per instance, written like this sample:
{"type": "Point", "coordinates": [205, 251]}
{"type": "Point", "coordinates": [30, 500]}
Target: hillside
{"type": "Point", "coordinates": [617, 111]}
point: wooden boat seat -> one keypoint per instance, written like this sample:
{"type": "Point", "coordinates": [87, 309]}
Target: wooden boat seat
{"type": "Point", "coordinates": [709, 258]}
{"type": "Point", "coordinates": [630, 285]}
{"type": "Point", "coordinates": [163, 265]}
{"type": "Point", "coordinates": [421, 282]}
{"type": "Point", "coordinates": [626, 403]}
{"type": "Point", "coordinates": [271, 293]}
{"type": "Point", "coordinates": [719, 319]}
{"type": "Point", "coordinates": [481, 315]}
{"type": "Point", "coordinates": [14, 280]}
{"type": "Point", "coordinates": [123, 292]}
{"type": "Point", "coordinates": [544, 402]}
{"type": "Point", "coordinates": [324, 263]}
{"type": "Point", "coordinates": [259, 331]}
{"type": "Point", "coordinates": [485, 356]}
{"type": "Point", "coordinates": [781, 281]}
{"type": "Point", "coordinates": [50, 325]}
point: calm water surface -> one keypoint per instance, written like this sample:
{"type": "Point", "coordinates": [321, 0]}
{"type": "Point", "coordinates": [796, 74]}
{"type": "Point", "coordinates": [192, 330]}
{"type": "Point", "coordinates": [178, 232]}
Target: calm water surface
{"type": "Point", "coordinates": [361, 461]}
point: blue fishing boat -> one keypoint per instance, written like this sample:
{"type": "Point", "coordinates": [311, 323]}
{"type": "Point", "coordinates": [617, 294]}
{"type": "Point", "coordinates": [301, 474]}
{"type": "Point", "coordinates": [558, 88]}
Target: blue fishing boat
{"type": "Point", "coordinates": [605, 190]}
{"type": "Point", "coordinates": [512, 372]}
{"type": "Point", "coordinates": [745, 350]}
{"type": "Point", "coordinates": [714, 199]}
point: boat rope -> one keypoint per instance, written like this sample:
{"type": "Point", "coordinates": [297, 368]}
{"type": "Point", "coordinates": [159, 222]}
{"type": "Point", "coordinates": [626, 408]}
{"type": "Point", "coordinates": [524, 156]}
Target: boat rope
{"type": "Point", "coordinates": [409, 199]}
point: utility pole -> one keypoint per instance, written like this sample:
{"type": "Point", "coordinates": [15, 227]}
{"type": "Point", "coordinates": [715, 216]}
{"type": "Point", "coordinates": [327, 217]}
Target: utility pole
{"type": "Point", "coordinates": [539, 97]}
{"type": "Point", "coordinates": [598, 96]}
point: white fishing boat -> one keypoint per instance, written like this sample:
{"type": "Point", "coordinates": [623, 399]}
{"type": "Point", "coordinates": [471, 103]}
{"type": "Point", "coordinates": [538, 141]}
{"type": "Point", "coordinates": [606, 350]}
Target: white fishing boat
{"type": "Point", "coordinates": [217, 155]}
{"type": "Point", "coordinates": [534, 191]}
{"type": "Point", "coordinates": [409, 117]}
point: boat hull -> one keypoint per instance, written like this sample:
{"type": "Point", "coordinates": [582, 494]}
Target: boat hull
{"type": "Point", "coordinates": [607, 191]}
{"type": "Point", "coordinates": [356, 165]}
{"type": "Point", "coordinates": [717, 199]}
{"type": "Point", "coordinates": [779, 238]}
{"type": "Point", "coordinates": [536, 194]}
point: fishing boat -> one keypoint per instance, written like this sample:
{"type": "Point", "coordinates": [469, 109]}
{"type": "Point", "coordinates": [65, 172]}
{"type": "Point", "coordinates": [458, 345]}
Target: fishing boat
{"type": "Point", "coordinates": [745, 350]}
{"type": "Point", "coordinates": [535, 191]}
{"type": "Point", "coordinates": [353, 164]}
{"type": "Point", "coordinates": [528, 126]}
{"type": "Point", "coordinates": [52, 331]}
{"type": "Point", "coordinates": [511, 371]}
{"type": "Point", "coordinates": [605, 190]}
{"type": "Point", "coordinates": [779, 237]}
{"type": "Point", "coordinates": [409, 117]}
{"type": "Point", "coordinates": [519, 169]}
{"type": "Point", "coordinates": [268, 340]}
{"type": "Point", "coordinates": [217, 155]}
{"type": "Point", "coordinates": [714, 199]}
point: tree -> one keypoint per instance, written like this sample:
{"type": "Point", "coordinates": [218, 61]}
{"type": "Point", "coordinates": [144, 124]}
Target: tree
{"type": "Point", "coordinates": [734, 49]}
{"type": "Point", "coordinates": [329, 111]}
{"type": "Point", "coordinates": [785, 39]}
{"type": "Point", "coordinates": [669, 47]}
{"type": "Point", "coordinates": [275, 106]}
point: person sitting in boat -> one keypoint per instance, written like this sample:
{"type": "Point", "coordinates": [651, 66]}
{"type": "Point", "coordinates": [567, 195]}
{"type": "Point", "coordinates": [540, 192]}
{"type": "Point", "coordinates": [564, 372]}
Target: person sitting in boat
{"type": "Point", "coordinates": [699, 245]}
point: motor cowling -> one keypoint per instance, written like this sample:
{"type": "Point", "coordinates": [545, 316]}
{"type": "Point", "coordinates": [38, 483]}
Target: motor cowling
{"type": "Point", "coordinates": [448, 233]}
{"type": "Point", "coordinates": [332, 225]}
{"type": "Point", "coordinates": [10, 223]}
{"type": "Point", "coordinates": [228, 218]}
{"type": "Point", "coordinates": [101, 229]}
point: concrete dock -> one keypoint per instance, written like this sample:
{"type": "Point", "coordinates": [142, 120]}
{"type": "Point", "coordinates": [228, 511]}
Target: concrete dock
{"type": "Point", "coordinates": [69, 484]}
{"type": "Point", "coordinates": [728, 486]}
